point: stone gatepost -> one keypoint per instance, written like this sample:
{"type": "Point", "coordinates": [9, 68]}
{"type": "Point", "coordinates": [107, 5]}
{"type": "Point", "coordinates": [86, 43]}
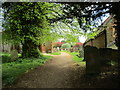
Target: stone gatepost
{"type": "Point", "coordinates": [92, 58]}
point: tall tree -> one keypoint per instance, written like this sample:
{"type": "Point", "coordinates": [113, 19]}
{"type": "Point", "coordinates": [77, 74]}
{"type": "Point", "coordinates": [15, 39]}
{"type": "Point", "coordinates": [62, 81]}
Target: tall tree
{"type": "Point", "coordinates": [27, 23]}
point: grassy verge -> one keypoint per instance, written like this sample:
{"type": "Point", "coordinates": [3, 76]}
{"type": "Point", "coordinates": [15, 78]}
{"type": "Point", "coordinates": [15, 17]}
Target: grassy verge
{"type": "Point", "coordinates": [11, 71]}
{"type": "Point", "coordinates": [6, 57]}
{"type": "Point", "coordinates": [55, 53]}
{"type": "Point", "coordinates": [76, 58]}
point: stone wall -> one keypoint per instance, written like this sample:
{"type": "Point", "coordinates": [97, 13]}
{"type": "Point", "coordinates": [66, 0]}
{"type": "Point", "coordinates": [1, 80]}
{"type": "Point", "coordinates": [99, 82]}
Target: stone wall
{"type": "Point", "coordinates": [105, 38]}
{"type": "Point", "coordinates": [97, 58]}
{"type": "Point", "coordinates": [99, 41]}
{"type": "Point", "coordinates": [107, 55]}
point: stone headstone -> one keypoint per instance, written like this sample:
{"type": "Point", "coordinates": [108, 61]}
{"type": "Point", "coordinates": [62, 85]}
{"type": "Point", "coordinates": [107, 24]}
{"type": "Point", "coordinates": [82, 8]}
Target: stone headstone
{"type": "Point", "coordinates": [92, 58]}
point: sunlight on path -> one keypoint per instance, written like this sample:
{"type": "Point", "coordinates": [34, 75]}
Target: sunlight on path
{"type": "Point", "coordinates": [56, 73]}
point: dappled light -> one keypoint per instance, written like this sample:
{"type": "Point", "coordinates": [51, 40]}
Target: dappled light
{"type": "Point", "coordinates": [60, 44]}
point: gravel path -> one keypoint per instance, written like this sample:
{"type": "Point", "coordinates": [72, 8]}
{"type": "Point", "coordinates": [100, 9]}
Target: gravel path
{"type": "Point", "coordinates": [56, 73]}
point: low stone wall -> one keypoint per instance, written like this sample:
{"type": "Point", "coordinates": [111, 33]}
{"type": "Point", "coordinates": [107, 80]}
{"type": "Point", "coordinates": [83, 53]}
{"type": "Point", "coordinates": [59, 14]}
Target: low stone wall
{"type": "Point", "coordinates": [97, 58]}
{"type": "Point", "coordinates": [107, 55]}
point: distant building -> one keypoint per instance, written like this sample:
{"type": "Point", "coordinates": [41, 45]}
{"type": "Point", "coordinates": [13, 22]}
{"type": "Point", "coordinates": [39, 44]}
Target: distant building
{"type": "Point", "coordinates": [46, 47]}
{"type": "Point", "coordinates": [106, 38]}
{"type": "Point", "coordinates": [78, 44]}
{"type": "Point", "coordinates": [58, 44]}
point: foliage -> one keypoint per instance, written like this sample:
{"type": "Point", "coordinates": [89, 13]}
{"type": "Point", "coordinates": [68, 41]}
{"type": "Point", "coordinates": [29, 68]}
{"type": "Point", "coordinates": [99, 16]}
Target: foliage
{"type": "Point", "coordinates": [66, 45]}
{"type": "Point", "coordinates": [6, 57]}
{"type": "Point", "coordinates": [90, 13]}
{"type": "Point", "coordinates": [68, 31]}
{"type": "Point", "coordinates": [28, 23]}
{"type": "Point", "coordinates": [77, 59]}
{"type": "Point", "coordinates": [13, 70]}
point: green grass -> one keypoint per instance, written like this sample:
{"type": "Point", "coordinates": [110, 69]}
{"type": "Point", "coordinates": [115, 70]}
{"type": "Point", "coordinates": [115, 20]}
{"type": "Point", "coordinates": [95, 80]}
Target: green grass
{"type": "Point", "coordinates": [12, 71]}
{"type": "Point", "coordinates": [4, 54]}
{"type": "Point", "coordinates": [55, 53]}
{"type": "Point", "coordinates": [76, 58]}
{"type": "Point", "coordinates": [6, 57]}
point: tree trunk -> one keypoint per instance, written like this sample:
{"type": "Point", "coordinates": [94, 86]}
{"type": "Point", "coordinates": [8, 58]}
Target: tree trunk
{"type": "Point", "coordinates": [29, 49]}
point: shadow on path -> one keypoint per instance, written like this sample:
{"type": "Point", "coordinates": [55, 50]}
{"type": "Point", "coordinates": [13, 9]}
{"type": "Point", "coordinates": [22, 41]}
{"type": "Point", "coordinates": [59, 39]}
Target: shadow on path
{"type": "Point", "coordinates": [63, 72]}
{"type": "Point", "coordinates": [56, 73]}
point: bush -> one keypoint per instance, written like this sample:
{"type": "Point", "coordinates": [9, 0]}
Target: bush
{"type": "Point", "coordinates": [6, 59]}
{"type": "Point", "coordinates": [66, 45]}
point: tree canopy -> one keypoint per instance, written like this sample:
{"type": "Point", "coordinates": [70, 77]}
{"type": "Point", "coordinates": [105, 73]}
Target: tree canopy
{"type": "Point", "coordinates": [91, 12]}
{"type": "Point", "coordinates": [32, 23]}
{"type": "Point", "coordinates": [27, 23]}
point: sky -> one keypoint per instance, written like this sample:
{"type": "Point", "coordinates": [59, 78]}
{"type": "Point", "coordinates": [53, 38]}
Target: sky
{"type": "Point", "coordinates": [1, 19]}
{"type": "Point", "coordinates": [82, 39]}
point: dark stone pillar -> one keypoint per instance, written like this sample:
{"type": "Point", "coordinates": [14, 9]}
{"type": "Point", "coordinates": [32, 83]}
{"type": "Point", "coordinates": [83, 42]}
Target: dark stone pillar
{"type": "Point", "coordinates": [92, 58]}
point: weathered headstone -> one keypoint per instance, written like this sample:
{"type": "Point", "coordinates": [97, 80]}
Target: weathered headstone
{"type": "Point", "coordinates": [92, 58]}
{"type": "Point", "coordinates": [13, 55]}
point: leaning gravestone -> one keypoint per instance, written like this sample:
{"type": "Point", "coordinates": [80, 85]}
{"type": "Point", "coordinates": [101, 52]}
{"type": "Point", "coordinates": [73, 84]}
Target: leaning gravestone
{"type": "Point", "coordinates": [92, 58]}
{"type": "Point", "coordinates": [13, 55]}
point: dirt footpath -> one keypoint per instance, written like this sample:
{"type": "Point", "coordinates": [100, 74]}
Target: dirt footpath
{"type": "Point", "coordinates": [62, 72]}
{"type": "Point", "coordinates": [56, 73]}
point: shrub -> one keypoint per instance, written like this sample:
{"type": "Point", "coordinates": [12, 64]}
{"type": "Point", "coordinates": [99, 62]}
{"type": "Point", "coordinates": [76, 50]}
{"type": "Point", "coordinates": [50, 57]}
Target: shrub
{"type": "Point", "coordinates": [66, 45]}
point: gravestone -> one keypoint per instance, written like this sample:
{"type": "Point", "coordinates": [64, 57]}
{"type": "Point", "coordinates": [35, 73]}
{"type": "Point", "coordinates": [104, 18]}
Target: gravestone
{"type": "Point", "coordinates": [13, 55]}
{"type": "Point", "coordinates": [92, 58]}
